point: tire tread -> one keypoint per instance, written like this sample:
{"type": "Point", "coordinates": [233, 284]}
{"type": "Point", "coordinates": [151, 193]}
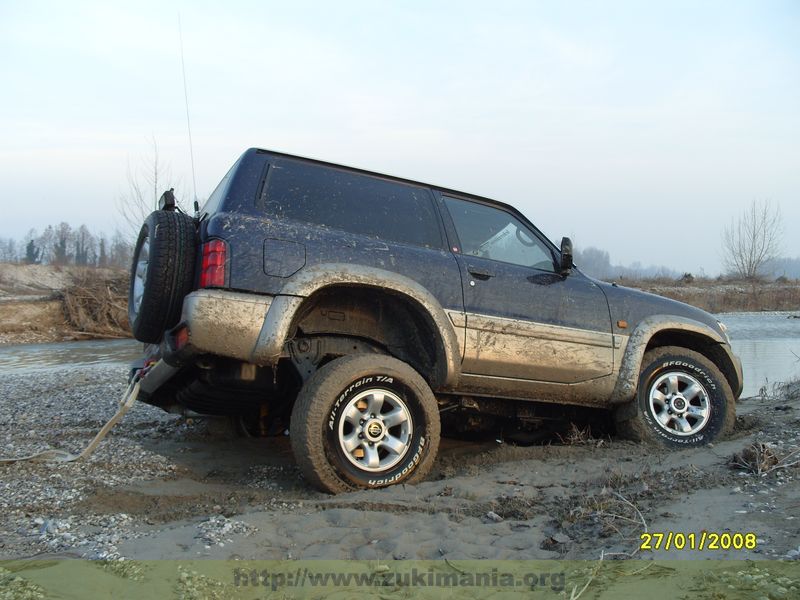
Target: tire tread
{"type": "Point", "coordinates": [632, 426]}
{"type": "Point", "coordinates": [170, 274]}
{"type": "Point", "coordinates": [312, 408]}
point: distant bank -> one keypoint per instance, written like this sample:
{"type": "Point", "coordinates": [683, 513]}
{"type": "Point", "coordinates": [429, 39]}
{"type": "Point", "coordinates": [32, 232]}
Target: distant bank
{"type": "Point", "coordinates": [718, 296]}
{"type": "Point", "coordinates": [45, 303]}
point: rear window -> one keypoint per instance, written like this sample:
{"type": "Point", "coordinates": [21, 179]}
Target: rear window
{"type": "Point", "coordinates": [352, 202]}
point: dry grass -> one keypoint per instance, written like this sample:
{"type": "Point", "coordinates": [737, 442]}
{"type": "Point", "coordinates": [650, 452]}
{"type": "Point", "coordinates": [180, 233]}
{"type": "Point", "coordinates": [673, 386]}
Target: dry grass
{"type": "Point", "coordinates": [513, 507]}
{"type": "Point", "coordinates": [761, 459]}
{"type": "Point", "coordinates": [609, 513]}
{"type": "Point", "coordinates": [594, 434]}
{"type": "Point", "coordinates": [95, 304]}
{"type": "Point", "coordinates": [725, 296]}
{"type": "Point", "coordinates": [577, 436]}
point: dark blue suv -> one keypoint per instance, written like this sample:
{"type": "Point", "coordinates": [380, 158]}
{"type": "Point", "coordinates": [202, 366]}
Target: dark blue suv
{"type": "Point", "coordinates": [358, 309]}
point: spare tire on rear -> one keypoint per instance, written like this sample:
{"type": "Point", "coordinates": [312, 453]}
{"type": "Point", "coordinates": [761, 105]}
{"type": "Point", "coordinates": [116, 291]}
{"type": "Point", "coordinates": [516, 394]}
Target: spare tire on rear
{"type": "Point", "coordinates": [161, 275]}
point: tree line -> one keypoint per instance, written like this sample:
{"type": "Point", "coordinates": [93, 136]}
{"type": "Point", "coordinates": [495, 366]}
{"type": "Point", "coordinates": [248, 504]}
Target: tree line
{"type": "Point", "coordinates": [62, 245]}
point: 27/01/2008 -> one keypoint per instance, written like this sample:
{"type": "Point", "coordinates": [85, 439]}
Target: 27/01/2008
{"type": "Point", "coordinates": [705, 540]}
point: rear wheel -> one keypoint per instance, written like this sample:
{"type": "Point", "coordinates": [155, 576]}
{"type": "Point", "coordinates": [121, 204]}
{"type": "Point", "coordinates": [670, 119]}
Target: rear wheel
{"type": "Point", "coordinates": [161, 275]}
{"type": "Point", "coordinates": [364, 421]}
{"type": "Point", "coordinates": [682, 400]}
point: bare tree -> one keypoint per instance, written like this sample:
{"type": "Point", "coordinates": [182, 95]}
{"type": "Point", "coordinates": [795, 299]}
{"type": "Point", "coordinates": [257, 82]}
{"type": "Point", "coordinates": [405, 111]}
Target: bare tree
{"type": "Point", "coordinates": [753, 240]}
{"type": "Point", "coordinates": [85, 247]}
{"type": "Point", "coordinates": [121, 251]}
{"type": "Point", "coordinates": [102, 255]}
{"type": "Point", "coordinates": [63, 237]}
{"type": "Point", "coordinates": [145, 186]}
{"type": "Point", "coordinates": [45, 242]}
{"type": "Point", "coordinates": [8, 250]}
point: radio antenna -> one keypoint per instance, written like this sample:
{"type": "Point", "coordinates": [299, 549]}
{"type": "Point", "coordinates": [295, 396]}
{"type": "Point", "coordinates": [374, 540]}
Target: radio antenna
{"type": "Point", "coordinates": [188, 121]}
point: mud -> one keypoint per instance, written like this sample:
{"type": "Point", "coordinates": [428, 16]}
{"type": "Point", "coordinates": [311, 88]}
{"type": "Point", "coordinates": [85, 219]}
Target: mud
{"type": "Point", "coordinates": [160, 486]}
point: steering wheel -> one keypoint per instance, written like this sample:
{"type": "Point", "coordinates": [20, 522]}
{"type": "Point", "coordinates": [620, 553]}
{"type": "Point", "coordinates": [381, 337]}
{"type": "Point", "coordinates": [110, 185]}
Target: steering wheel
{"type": "Point", "coordinates": [524, 239]}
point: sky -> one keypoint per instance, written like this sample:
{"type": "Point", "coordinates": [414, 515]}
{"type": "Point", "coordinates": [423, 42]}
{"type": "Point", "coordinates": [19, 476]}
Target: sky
{"type": "Point", "coordinates": [642, 128]}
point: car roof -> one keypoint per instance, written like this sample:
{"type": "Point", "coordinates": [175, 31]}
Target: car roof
{"type": "Point", "coordinates": [439, 188]}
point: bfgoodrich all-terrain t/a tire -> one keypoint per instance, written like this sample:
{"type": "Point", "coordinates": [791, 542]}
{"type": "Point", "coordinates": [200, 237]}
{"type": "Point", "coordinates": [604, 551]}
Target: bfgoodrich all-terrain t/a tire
{"type": "Point", "coordinates": [364, 421]}
{"type": "Point", "coordinates": [682, 400]}
{"type": "Point", "coordinates": [161, 275]}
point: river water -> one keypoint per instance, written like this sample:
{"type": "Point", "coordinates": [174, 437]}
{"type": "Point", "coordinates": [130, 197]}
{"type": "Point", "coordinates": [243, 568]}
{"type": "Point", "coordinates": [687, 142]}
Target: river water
{"type": "Point", "coordinates": [767, 342]}
{"type": "Point", "coordinates": [29, 358]}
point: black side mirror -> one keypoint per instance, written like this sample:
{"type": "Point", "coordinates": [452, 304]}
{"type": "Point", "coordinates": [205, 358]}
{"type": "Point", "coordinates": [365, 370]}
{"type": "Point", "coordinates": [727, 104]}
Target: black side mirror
{"type": "Point", "coordinates": [566, 255]}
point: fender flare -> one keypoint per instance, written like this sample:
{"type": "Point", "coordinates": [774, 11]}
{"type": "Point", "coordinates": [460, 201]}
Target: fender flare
{"type": "Point", "coordinates": [281, 315]}
{"type": "Point", "coordinates": [631, 364]}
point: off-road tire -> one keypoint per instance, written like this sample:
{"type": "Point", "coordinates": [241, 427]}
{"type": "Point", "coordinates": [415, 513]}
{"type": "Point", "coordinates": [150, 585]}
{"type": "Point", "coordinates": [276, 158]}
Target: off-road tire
{"type": "Point", "coordinates": [318, 419]}
{"type": "Point", "coordinates": [169, 240]}
{"type": "Point", "coordinates": [638, 420]}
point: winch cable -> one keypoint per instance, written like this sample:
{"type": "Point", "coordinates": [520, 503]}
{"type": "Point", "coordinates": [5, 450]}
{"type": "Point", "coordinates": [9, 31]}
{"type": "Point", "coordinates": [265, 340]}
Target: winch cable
{"type": "Point", "coordinates": [61, 456]}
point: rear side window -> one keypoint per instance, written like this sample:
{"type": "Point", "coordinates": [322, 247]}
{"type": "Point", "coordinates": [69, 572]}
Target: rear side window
{"type": "Point", "coordinates": [212, 204]}
{"type": "Point", "coordinates": [352, 202]}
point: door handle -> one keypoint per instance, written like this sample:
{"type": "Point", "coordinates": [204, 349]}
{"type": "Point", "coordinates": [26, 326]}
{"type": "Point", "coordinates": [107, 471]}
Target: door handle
{"type": "Point", "coordinates": [479, 273]}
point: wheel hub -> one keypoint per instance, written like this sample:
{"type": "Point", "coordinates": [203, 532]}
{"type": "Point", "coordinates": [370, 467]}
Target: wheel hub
{"type": "Point", "coordinates": [375, 430]}
{"type": "Point", "coordinates": [679, 403]}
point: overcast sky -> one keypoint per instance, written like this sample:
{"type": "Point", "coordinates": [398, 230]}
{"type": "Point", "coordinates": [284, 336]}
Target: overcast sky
{"type": "Point", "coordinates": [638, 127]}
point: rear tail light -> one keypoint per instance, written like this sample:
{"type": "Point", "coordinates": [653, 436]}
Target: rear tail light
{"type": "Point", "coordinates": [212, 274]}
{"type": "Point", "coordinates": [181, 337]}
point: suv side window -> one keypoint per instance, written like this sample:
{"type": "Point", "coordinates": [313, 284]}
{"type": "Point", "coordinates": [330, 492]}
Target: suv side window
{"type": "Point", "coordinates": [212, 204]}
{"type": "Point", "coordinates": [493, 233]}
{"type": "Point", "coordinates": [352, 202]}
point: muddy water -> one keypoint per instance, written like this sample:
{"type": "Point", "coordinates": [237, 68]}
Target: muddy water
{"type": "Point", "coordinates": [765, 342]}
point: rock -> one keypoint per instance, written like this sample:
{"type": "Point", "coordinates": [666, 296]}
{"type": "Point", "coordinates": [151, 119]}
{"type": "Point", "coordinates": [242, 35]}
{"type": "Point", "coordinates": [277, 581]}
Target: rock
{"type": "Point", "coordinates": [493, 516]}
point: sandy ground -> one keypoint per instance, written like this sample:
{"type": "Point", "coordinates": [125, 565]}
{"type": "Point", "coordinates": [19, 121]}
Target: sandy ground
{"type": "Point", "coordinates": [33, 307]}
{"type": "Point", "coordinates": [33, 279]}
{"type": "Point", "coordinates": [27, 322]}
{"type": "Point", "coordinates": [162, 487]}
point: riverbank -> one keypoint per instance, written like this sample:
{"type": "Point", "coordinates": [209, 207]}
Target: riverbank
{"type": "Point", "coordinates": [44, 303]}
{"type": "Point", "coordinates": [725, 296]}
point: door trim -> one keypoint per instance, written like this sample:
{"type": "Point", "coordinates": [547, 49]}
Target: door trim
{"type": "Point", "coordinates": [542, 331]}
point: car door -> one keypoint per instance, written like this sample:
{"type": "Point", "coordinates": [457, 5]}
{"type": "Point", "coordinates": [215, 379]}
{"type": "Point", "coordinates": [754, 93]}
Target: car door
{"type": "Point", "coordinates": [524, 318]}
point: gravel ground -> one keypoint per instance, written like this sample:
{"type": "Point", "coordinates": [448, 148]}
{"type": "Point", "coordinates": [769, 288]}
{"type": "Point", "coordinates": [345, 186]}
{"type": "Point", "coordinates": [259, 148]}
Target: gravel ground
{"type": "Point", "coordinates": [64, 408]}
{"type": "Point", "coordinates": [161, 486]}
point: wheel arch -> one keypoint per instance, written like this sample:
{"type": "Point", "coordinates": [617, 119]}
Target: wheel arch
{"type": "Point", "coordinates": [659, 331]}
{"type": "Point", "coordinates": [366, 294]}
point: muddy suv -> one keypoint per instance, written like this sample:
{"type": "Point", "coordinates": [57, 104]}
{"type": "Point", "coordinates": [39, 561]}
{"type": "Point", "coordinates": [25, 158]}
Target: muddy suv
{"type": "Point", "coordinates": [360, 311]}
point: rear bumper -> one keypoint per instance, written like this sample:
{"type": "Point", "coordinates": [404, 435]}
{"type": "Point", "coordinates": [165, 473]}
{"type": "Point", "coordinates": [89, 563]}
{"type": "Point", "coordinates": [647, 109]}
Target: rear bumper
{"type": "Point", "coordinates": [221, 322]}
{"type": "Point", "coordinates": [215, 322]}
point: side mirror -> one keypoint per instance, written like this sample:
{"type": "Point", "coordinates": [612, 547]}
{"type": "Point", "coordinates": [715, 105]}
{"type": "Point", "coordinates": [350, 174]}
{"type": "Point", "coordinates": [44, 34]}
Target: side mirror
{"type": "Point", "coordinates": [566, 255]}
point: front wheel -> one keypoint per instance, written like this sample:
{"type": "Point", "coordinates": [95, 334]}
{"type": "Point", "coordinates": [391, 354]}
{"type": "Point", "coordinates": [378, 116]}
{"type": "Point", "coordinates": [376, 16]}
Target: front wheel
{"type": "Point", "coordinates": [682, 400]}
{"type": "Point", "coordinates": [364, 421]}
